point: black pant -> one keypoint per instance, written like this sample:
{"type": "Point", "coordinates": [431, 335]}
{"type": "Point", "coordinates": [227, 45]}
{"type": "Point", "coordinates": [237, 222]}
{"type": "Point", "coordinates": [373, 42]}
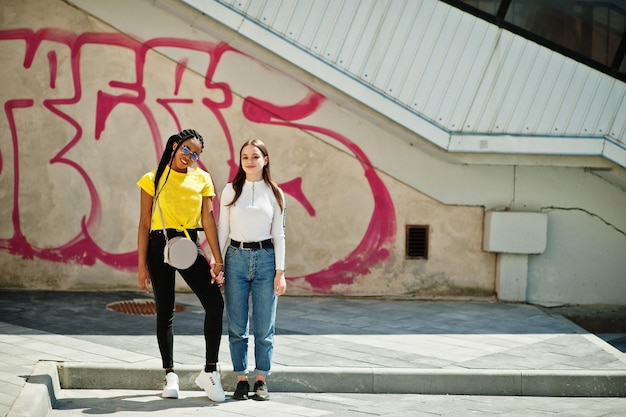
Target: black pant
{"type": "Point", "coordinates": [198, 277]}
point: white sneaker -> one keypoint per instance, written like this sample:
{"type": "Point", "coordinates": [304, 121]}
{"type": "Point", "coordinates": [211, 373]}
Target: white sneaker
{"type": "Point", "coordinates": [212, 385]}
{"type": "Point", "coordinates": [171, 386]}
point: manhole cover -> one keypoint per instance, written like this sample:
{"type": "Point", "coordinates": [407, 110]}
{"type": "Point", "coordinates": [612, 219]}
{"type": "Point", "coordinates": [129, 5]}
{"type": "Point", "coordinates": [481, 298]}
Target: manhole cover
{"type": "Point", "coordinates": [139, 306]}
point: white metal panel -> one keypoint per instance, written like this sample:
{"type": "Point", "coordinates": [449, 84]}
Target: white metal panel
{"type": "Point", "coordinates": [401, 81]}
{"type": "Point", "coordinates": [298, 17]}
{"type": "Point", "coordinates": [618, 126]}
{"type": "Point", "coordinates": [357, 28]}
{"type": "Point", "coordinates": [573, 125]}
{"type": "Point", "coordinates": [615, 153]}
{"type": "Point", "coordinates": [337, 34]}
{"type": "Point", "coordinates": [498, 75]}
{"type": "Point", "coordinates": [616, 95]}
{"type": "Point", "coordinates": [530, 145]}
{"type": "Point", "coordinates": [544, 122]}
{"type": "Point", "coordinates": [443, 40]}
{"type": "Point", "coordinates": [598, 114]}
{"type": "Point", "coordinates": [311, 23]}
{"type": "Point", "coordinates": [240, 5]}
{"type": "Point", "coordinates": [267, 14]}
{"type": "Point", "coordinates": [284, 14]}
{"type": "Point", "coordinates": [523, 56]}
{"type": "Point", "coordinates": [328, 21]}
{"type": "Point", "coordinates": [475, 58]}
{"type": "Point", "coordinates": [252, 8]}
{"type": "Point", "coordinates": [383, 49]}
{"type": "Point", "coordinates": [527, 87]}
{"type": "Point", "coordinates": [428, 21]}
{"type": "Point", "coordinates": [371, 30]}
{"type": "Point", "coordinates": [233, 2]}
{"type": "Point", "coordinates": [547, 77]}
{"type": "Point", "coordinates": [582, 111]}
{"type": "Point", "coordinates": [399, 47]}
{"type": "Point", "coordinates": [452, 70]}
{"type": "Point", "coordinates": [516, 89]}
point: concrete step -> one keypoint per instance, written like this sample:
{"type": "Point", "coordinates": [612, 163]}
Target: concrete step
{"type": "Point", "coordinates": [553, 383]}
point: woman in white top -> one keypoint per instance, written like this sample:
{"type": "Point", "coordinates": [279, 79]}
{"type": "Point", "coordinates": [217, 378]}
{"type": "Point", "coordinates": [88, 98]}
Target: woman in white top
{"type": "Point", "coordinates": [252, 216]}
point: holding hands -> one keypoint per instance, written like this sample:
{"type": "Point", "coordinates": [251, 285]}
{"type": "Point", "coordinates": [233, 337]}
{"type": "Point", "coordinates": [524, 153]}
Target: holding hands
{"type": "Point", "coordinates": [217, 274]}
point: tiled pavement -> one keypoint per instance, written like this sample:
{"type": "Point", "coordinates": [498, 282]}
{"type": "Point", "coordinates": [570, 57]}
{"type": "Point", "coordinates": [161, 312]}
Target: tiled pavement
{"type": "Point", "coordinates": [345, 346]}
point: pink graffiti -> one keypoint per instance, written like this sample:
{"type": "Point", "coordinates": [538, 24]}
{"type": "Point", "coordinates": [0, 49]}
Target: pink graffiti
{"type": "Point", "coordinates": [82, 249]}
{"type": "Point", "coordinates": [52, 61]}
{"type": "Point", "coordinates": [374, 247]}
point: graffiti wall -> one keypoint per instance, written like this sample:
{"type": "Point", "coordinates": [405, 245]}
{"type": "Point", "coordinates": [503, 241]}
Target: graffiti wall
{"type": "Point", "coordinates": [87, 110]}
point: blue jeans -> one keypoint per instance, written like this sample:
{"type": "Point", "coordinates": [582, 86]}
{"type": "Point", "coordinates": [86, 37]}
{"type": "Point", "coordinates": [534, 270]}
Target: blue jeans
{"type": "Point", "coordinates": [250, 274]}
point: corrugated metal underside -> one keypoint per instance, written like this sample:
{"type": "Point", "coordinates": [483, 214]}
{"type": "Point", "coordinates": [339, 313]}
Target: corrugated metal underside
{"type": "Point", "coordinates": [458, 81]}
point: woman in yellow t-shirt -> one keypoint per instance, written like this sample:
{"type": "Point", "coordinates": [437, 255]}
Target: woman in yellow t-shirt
{"type": "Point", "coordinates": [176, 199]}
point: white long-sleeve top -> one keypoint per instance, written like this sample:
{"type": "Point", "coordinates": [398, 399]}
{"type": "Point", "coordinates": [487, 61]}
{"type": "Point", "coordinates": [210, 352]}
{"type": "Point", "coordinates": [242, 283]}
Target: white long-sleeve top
{"type": "Point", "coordinates": [254, 217]}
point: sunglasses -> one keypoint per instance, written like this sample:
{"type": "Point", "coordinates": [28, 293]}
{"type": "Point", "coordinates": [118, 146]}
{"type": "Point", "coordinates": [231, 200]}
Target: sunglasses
{"type": "Point", "coordinates": [192, 155]}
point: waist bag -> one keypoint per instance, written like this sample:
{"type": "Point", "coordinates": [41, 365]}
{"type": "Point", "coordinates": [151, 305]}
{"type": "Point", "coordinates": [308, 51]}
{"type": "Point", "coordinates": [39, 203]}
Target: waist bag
{"type": "Point", "coordinates": [179, 252]}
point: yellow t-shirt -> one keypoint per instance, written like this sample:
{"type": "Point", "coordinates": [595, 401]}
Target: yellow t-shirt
{"type": "Point", "coordinates": [181, 197]}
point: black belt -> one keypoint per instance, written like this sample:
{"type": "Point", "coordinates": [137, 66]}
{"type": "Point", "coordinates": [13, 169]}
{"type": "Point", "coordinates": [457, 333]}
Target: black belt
{"type": "Point", "coordinates": [252, 245]}
{"type": "Point", "coordinates": [175, 232]}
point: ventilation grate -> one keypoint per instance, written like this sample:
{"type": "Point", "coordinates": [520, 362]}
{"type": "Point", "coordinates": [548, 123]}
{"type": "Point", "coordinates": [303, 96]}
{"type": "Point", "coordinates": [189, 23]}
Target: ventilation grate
{"type": "Point", "coordinates": [139, 306]}
{"type": "Point", "coordinates": [416, 242]}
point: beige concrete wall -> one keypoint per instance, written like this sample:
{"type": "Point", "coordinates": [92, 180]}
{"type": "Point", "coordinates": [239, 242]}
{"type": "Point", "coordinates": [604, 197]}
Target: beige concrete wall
{"type": "Point", "coordinates": [89, 113]}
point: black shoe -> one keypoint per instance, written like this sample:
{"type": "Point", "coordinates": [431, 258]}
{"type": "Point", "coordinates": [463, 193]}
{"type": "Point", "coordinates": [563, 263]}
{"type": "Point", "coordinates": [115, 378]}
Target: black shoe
{"type": "Point", "coordinates": [241, 392]}
{"type": "Point", "coordinates": [260, 391]}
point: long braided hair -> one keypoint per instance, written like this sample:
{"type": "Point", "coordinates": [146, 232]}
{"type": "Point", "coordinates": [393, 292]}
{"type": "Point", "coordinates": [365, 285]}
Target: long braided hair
{"type": "Point", "coordinates": [168, 155]}
{"type": "Point", "coordinates": [240, 176]}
